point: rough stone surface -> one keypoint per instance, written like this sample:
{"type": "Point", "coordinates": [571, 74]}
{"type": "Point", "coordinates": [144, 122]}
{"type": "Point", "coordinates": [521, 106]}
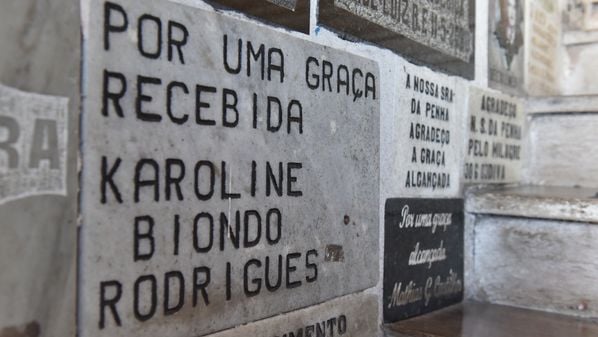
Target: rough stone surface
{"type": "Point", "coordinates": [562, 150]}
{"type": "Point", "coordinates": [506, 45]}
{"type": "Point", "coordinates": [543, 202]}
{"type": "Point", "coordinates": [390, 64]}
{"type": "Point", "coordinates": [40, 54]}
{"type": "Point", "coordinates": [561, 104]}
{"type": "Point", "coordinates": [494, 148]}
{"type": "Point", "coordinates": [351, 316]}
{"type": "Point", "coordinates": [332, 160]}
{"type": "Point", "coordinates": [538, 264]}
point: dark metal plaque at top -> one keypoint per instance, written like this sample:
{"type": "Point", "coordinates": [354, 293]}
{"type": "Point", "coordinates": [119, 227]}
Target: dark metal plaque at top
{"type": "Point", "coordinates": [438, 34]}
{"type": "Point", "coordinates": [423, 256]}
{"type": "Point", "coordinates": [291, 14]}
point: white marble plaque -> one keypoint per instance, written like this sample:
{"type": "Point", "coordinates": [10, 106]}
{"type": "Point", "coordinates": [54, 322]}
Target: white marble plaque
{"type": "Point", "coordinates": [494, 148]}
{"type": "Point", "coordinates": [505, 45]}
{"type": "Point", "coordinates": [426, 133]}
{"type": "Point", "coordinates": [230, 171]}
{"type": "Point", "coordinates": [33, 139]}
{"type": "Point", "coordinates": [543, 37]}
{"type": "Point", "coordinates": [349, 316]}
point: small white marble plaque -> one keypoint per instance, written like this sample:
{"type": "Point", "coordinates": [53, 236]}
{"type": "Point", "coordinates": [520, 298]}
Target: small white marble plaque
{"type": "Point", "coordinates": [426, 134]}
{"type": "Point", "coordinates": [33, 139]}
{"type": "Point", "coordinates": [230, 171]}
{"type": "Point", "coordinates": [349, 316]}
{"type": "Point", "coordinates": [494, 148]}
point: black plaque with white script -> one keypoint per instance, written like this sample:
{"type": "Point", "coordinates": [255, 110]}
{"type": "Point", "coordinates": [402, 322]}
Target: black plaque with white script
{"type": "Point", "coordinates": [423, 256]}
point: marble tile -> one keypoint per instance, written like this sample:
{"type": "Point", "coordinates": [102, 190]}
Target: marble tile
{"type": "Point", "coordinates": [230, 171]}
{"type": "Point", "coordinates": [353, 315]}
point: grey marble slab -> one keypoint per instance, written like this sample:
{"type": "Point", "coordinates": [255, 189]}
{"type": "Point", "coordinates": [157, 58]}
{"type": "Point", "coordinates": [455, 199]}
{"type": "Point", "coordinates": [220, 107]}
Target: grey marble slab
{"type": "Point", "coordinates": [230, 171]}
{"type": "Point", "coordinates": [540, 202]}
{"type": "Point", "coordinates": [562, 150]}
{"type": "Point", "coordinates": [562, 104]}
{"type": "Point", "coordinates": [538, 264]}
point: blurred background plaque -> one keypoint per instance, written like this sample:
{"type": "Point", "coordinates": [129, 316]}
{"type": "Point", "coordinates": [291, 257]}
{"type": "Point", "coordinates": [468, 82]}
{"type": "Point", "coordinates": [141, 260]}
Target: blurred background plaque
{"type": "Point", "coordinates": [505, 45]}
{"type": "Point", "coordinates": [290, 14]}
{"type": "Point", "coordinates": [438, 34]}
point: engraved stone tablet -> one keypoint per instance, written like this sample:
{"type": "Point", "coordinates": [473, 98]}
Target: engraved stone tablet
{"type": "Point", "coordinates": [221, 162]}
{"type": "Point", "coordinates": [349, 316]}
{"type": "Point", "coordinates": [291, 14]}
{"type": "Point", "coordinates": [505, 45]}
{"type": "Point", "coordinates": [543, 33]}
{"type": "Point", "coordinates": [438, 34]}
{"type": "Point", "coordinates": [426, 133]}
{"type": "Point", "coordinates": [423, 256]}
{"type": "Point", "coordinates": [494, 149]}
